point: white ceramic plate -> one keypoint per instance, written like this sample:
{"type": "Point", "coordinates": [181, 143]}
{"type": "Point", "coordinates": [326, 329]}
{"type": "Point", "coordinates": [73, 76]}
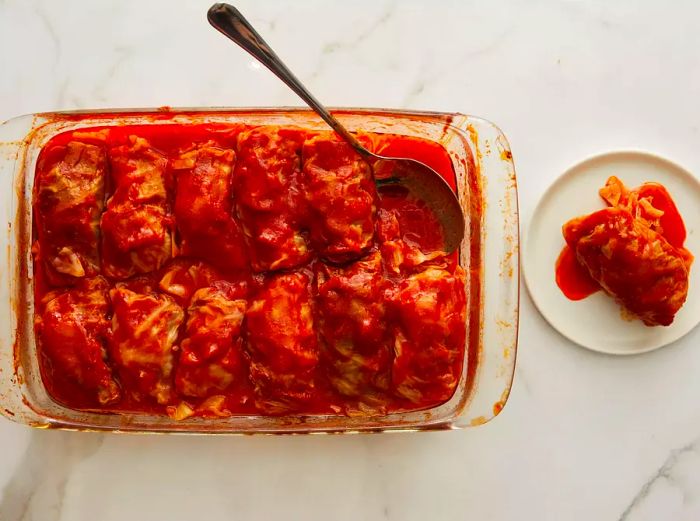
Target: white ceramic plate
{"type": "Point", "coordinates": [595, 322]}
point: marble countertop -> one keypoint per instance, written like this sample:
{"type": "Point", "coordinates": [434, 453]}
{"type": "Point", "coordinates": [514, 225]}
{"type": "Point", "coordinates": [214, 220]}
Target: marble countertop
{"type": "Point", "coordinates": [584, 436]}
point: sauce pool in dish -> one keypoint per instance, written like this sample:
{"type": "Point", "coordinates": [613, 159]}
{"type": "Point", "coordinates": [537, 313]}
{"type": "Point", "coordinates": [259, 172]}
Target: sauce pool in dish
{"type": "Point", "coordinates": [224, 269]}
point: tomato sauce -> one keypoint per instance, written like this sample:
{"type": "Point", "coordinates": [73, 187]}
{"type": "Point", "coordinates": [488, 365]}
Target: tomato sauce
{"type": "Point", "coordinates": [241, 270]}
{"type": "Point", "coordinates": [572, 278]}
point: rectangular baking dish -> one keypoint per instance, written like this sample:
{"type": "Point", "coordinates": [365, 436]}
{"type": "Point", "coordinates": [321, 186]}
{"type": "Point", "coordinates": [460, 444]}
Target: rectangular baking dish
{"type": "Point", "coordinates": [490, 254]}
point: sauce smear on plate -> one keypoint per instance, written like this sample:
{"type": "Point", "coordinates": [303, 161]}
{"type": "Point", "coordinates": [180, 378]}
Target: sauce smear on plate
{"type": "Point", "coordinates": [572, 278]}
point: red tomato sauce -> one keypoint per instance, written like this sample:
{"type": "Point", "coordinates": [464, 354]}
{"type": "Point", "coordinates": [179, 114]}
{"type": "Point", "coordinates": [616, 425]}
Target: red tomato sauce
{"type": "Point", "coordinates": [572, 278]}
{"type": "Point", "coordinates": [224, 269]}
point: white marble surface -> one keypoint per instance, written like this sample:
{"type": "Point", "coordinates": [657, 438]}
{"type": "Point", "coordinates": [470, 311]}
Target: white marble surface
{"type": "Point", "coordinates": [583, 437]}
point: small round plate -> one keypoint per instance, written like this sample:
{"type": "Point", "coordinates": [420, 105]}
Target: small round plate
{"type": "Point", "coordinates": [596, 322]}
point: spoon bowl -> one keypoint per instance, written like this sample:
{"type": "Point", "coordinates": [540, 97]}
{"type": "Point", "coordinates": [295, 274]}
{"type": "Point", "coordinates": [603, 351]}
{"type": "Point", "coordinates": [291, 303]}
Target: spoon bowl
{"type": "Point", "coordinates": [421, 181]}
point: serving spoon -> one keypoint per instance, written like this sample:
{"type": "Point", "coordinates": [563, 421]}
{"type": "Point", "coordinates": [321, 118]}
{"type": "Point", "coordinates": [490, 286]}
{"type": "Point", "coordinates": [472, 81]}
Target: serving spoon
{"type": "Point", "coordinates": [419, 179]}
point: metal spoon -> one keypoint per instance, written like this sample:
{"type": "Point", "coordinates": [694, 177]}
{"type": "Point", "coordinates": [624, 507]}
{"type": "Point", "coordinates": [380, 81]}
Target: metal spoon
{"type": "Point", "coordinates": [421, 181]}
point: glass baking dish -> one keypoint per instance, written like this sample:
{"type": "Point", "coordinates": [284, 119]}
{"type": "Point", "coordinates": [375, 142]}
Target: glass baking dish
{"type": "Point", "coordinates": [486, 186]}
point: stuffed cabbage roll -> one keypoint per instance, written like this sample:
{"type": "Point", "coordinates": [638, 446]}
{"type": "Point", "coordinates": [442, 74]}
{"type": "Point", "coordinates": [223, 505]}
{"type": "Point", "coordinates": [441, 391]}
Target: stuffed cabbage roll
{"type": "Point", "coordinates": [269, 199]}
{"type": "Point", "coordinates": [72, 328]}
{"type": "Point", "coordinates": [633, 263]}
{"type": "Point", "coordinates": [429, 316]}
{"type": "Point", "coordinates": [352, 328]}
{"type": "Point", "coordinates": [69, 199]}
{"type": "Point", "coordinates": [211, 353]}
{"type": "Point", "coordinates": [204, 206]}
{"type": "Point", "coordinates": [144, 329]}
{"type": "Point", "coordinates": [136, 227]}
{"type": "Point", "coordinates": [341, 198]}
{"type": "Point", "coordinates": [282, 343]}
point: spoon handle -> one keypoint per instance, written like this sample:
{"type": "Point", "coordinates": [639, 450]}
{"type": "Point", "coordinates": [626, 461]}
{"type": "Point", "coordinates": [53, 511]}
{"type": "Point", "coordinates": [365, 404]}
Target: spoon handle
{"type": "Point", "coordinates": [229, 21]}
